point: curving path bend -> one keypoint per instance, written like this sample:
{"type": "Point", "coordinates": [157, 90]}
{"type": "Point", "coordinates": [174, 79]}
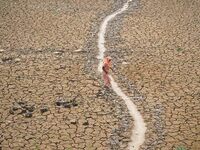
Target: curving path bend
{"type": "Point", "coordinates": [138, 132]}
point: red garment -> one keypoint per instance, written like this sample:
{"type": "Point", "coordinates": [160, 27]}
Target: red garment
{"type": "Point", "coordinates": [106, 68]}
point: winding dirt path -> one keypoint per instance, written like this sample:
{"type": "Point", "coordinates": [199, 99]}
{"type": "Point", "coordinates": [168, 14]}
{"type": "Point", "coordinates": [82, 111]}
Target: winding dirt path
{"type": "Point", "coordinates": [138, 132]}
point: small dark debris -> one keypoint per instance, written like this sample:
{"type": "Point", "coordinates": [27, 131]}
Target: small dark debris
{"type": "Point", "coordinates": [59, 93]}
{"type": "Point", "coordinates": [44, 109]}
{"type": "Point", "coordinates": [99, 93]}
{"type": "Point", "coordinates": [30, 108]}
{"type": "Point", "coordinates": [66, 105]}
{"type": "Point", "coordinates": [59, 103]}
{"type": "Point", "coordinates": [86, 123]}
{"type": "Point", "coordinates": [11, 111]}
{"type": "Point", "coordinates": [22, 108]}
{"type": "Point", "coordinates": [73, 121]}
{"type": "Point", "coordinates": [74, 104]}
{"type": "Point", "coordinates": [14, 108]}
{"type": "Point", "coordinates": [22, 111]}
{"type": "Point", "coordinates": [28, 114]}
{"type": "Point", "coordinates": [63, 103]}
{"type": "Point", "coordinates": [21, 103]}
{"type": "Point", "coordinates": [7, 59]}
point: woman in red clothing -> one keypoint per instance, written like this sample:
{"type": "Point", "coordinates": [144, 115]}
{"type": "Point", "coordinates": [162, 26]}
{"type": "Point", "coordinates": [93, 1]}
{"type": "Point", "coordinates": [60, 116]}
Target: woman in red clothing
{"type": "Point", "coordinates": [106, 67]}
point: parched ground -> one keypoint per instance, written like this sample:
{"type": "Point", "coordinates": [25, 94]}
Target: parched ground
{"type": "Point", "coordinates": [49, 99]}
{"type": "Point", "coordinates": [52, 98]}
{"type": "Point", "coordinates": [159, 52]}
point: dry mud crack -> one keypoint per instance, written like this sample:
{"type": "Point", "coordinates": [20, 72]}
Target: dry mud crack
{"type": "Point", "coordinates": [48, 66]}
{"type": "Point", "coordinates": [43, 71]}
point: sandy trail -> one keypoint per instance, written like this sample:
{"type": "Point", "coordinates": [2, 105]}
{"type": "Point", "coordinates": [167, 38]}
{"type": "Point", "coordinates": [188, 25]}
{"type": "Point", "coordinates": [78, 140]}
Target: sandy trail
{"type": "Point", "coordinates": [138, 132]}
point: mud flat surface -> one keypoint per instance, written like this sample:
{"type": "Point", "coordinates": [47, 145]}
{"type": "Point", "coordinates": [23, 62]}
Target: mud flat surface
{"type": "Point", "coordinates": [51, 94]}
{"type": "Point", "coordinates": [156, 47]}
{"type": "Point", "coordinates": [51, 97]}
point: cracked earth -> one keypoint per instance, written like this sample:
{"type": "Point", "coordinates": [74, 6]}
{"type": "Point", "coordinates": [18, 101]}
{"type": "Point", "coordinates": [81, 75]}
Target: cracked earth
{"type": "Point", "coordinates": [52, 96]}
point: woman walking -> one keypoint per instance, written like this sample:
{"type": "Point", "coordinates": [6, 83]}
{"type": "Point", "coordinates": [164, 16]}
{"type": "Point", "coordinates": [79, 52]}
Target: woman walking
{"type": "Point", "coordinates": [106, 67]}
